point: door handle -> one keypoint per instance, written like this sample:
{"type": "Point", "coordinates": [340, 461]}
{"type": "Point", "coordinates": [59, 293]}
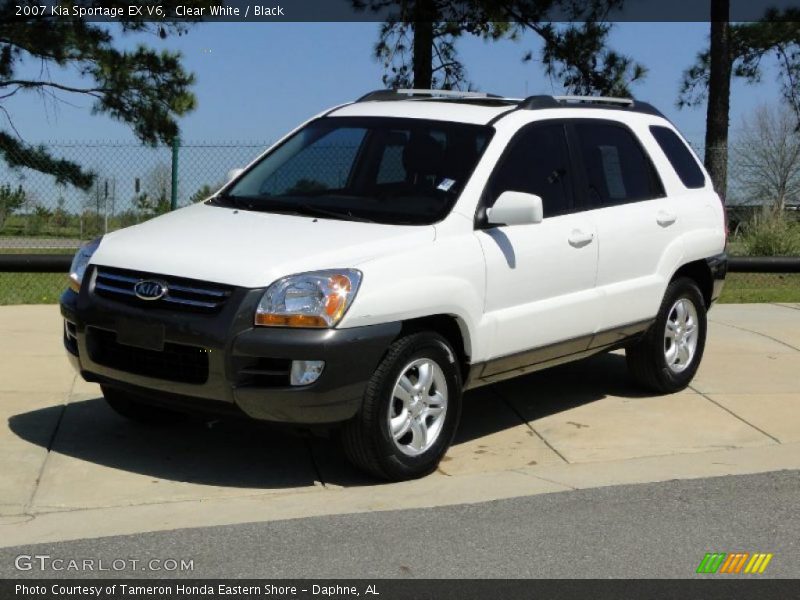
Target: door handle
{"type": "Point", "coordinates": [579, 239]}
{"type": "Point", "coordinates": [665, 219]}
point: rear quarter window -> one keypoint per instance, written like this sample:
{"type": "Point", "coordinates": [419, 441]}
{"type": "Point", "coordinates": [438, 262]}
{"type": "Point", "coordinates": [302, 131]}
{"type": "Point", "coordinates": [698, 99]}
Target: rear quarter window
{"type": "Point", "coordinates": [679, 156]}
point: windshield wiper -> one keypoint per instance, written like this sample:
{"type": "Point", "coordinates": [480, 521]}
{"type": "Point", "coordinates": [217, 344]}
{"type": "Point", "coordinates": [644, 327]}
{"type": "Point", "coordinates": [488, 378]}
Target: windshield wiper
{"type": "Point", "coordinates": [229, 201]}
{"type": "Point", "coordinates": [345, 215]}
{"type": "Point", "coordinates": [290, 208]}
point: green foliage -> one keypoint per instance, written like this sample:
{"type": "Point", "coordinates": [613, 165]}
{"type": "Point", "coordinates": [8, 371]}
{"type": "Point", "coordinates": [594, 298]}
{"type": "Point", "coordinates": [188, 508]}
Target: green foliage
{"type": "Point", "coordinates": [151, 206]}
{"type": "Point", "coordinates": [771, 234]}
{"type": "Point", "coordinates": [776, 35]}
{"type": "Point", "coordinates": [577, 57]}
{"type": "Point", "coordinates": [575, 52]}
{"type": "Point", "coordinates": [31, 288]}
{"type": "Point", "coordinates": [204, 192]}
{"type": "Point", "coordinates": [143, 88]}
{"type": "Point", "coordinates": [761, 287]}
{"type": "Point", "coordinates": [10, 200]}
{"type": "Point", "coordinates": [17, 153]}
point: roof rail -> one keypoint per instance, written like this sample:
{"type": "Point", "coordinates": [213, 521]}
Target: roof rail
{"type": "Point", "coordinates": [539, 102]}
{"type": "Point", "coordinates": [409, 94]}
{"type": "Point", "coordinates": [595, 99]}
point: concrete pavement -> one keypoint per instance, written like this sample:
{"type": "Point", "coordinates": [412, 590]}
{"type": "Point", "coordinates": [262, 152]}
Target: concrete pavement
{"type": "Point", "coordinates": [73, 469]}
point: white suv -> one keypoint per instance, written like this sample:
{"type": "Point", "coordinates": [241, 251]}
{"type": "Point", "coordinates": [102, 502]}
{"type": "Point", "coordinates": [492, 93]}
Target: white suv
{"type": "Point", "coordinates": [393, 252]}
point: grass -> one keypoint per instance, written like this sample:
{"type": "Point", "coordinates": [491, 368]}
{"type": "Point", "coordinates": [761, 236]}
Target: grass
{"type": "Point", "coordinates": [761, 287]}
{"type": "Point", "coordinates": [31, 288]}
{"type": "Point", "coordinates": [69, 251]}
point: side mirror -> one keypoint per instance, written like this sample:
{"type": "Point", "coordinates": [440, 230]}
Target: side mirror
{"type": "Point", "coordinates": [515, 208]}
{"type": "Point", "coordinates": [233, 174]}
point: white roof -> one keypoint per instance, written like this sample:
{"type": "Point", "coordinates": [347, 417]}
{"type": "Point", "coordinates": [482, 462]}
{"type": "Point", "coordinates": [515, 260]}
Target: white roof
{"type": "Point", "coordinates": [435, 110]}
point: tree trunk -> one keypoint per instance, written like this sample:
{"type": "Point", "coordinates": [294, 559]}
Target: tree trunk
{"type": "Point", "coordinates": [719, 94]}
{"type": "Point", "coordinates": [424, 13]}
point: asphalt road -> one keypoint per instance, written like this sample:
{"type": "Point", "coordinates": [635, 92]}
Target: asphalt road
{"type": "Point", "coordinates": [648, 530]}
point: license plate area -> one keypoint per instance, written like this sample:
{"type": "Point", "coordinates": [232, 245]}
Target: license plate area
{"type": "Point", "coordinates": [148, 336]}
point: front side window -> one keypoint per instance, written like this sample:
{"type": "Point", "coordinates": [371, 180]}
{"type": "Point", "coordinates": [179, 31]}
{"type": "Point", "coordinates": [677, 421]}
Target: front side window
{"type": "Point", "coordinates": [536, 162]}
{"type": "Point", "coordinates": [386, 170]}
{"type": "Point", "coordinates": [617, 169]}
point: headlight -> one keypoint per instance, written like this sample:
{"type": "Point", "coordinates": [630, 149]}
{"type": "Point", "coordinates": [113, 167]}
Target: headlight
{"type": "Point", "coordinates": [316, 299]}
{"type": "Point", "coordinates": [80, 262]}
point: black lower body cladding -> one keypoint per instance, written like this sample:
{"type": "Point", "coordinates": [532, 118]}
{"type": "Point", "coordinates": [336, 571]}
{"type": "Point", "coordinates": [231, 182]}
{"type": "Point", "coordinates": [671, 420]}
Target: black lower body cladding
{"type": "Point", "coordinates": [220, 362]}
{"type": "Point", "coordinates": [718, 266]}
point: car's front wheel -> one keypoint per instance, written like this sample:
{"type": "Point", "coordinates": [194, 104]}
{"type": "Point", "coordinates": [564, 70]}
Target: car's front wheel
{"type": "Point", "coordinates": [410, 410]}
{"type": "Point", "coordinates": [133, 407]}
{"type": "Point", "coordinates": [666, 359]}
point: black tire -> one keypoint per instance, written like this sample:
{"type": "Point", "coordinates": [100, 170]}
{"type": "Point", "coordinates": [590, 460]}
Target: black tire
{"type": "Point", "coordinates": [367, 440]}
{"type": "Point", "coordinates": [132, 407]}
{"type": "Point", "coordinates": [646, 359]}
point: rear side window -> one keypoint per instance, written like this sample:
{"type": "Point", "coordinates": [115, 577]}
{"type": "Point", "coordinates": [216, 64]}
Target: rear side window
{"type": "Point", "coordinates": [537, 162]}
{"type": "Point", "coordinates": [680, 157]}
{"type": "Point", "coordinates": [617, 169]}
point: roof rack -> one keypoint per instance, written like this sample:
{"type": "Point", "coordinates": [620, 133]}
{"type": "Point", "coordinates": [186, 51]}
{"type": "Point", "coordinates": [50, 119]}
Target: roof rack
{"type": "Point", "coordinates": [410, 94]}
{"type": "Point", "coordinates": [539, 102]}
{"type": "Point", "coordinates": [529, 103]}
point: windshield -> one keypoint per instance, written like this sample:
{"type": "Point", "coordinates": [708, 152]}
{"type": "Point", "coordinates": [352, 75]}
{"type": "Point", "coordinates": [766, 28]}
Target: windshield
{"type": "Point", "coordinates": [385, 170]}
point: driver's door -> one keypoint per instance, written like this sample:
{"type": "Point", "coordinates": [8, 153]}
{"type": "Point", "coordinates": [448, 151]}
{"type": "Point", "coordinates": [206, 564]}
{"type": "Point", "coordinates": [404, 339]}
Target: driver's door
{"type": "Point", "coordinates": [541, 300]}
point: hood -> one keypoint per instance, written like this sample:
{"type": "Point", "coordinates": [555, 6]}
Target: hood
{"type": "Point", "coordinates": [250, 249]}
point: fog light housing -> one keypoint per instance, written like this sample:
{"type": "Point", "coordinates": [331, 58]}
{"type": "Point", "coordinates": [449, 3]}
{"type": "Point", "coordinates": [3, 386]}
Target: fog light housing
{"type": "Point", "coordinates": [306, 372]}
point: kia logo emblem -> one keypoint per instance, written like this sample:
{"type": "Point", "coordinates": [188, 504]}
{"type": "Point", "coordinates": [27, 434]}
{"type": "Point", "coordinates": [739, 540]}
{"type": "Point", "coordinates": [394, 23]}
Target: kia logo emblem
{"type": "Point", "coordinates": [150, 289]}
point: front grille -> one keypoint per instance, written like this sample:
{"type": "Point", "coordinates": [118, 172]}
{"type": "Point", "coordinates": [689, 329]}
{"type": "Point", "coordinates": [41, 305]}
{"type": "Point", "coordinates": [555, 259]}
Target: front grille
{"type": "Point", "coordinates": [182, 294]}
{"type": "Point", "coordinates": [177, 362]}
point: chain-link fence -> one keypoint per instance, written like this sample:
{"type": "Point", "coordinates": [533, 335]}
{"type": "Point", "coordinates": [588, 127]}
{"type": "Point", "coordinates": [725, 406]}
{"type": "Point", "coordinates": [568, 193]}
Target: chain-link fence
{"type": "Point", "coordinates": [133, 183]}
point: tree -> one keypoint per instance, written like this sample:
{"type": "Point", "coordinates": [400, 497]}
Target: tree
{"type": "Point", "coordinates": [417, 41]}
{"type": "Point", "coordinates": [155, 198]}
{"type": "Point", "coordinates": [10, 200]}
{"type": "Point", "coordinates": [766, 156]}
{"type": "Point", "coordinates": [143, 88]}
{"type": "Point", "coordinates": [60, 215]}
{"type": "Point", "coordinates": [204, 192]}
{"type": "Point", "coordinates": [576, 54]}
{"type": "Point", "coordinates": [739, 50]}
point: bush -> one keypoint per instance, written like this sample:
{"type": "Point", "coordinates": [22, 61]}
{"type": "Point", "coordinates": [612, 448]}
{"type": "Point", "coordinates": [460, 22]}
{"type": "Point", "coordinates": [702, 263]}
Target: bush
{"type": "Point", "coordinates": [771, 234]}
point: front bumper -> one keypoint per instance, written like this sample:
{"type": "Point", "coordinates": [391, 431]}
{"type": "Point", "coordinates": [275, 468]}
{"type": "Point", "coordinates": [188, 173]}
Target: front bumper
{"type": "Point", "coordinates": [221, 362]}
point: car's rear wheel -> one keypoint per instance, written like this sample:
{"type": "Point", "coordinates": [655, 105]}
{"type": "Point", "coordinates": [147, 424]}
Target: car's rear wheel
{"type": "Point", "coordinates": [135, 408]}
{"type": "Point", "coordinates": [666, 359]}
{"type": "Point", "coordinates": [410, 410]}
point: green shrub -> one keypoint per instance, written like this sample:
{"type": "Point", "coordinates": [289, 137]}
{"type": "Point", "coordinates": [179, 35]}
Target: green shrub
{"type": "Point", "coordinates": [771, 234]}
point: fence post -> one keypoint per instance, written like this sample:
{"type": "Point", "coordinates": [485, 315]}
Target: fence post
{"type": "Point", "coordinates": [173, 201]}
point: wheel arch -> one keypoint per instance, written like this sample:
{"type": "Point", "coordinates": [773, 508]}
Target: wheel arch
{"type": "Point", "coordinates": [450, 327]}
{"type": "Point", "coordinates": [700, 272]}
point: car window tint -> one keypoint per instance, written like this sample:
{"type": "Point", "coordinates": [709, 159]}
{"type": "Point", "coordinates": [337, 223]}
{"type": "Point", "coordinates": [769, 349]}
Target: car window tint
{"type": "Point", "coordinates": [391, 169]}
{"type": "Point", "coordinates": [537, 162]}
{"type": "Point", "coordinates": [680, 157]}
{"type": "Point", "coordinates": [323, 164]}
{"type": "Point", "coordinates": [617, 168]}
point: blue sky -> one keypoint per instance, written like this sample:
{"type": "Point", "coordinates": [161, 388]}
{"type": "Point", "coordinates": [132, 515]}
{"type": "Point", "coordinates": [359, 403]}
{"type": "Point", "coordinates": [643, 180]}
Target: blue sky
{"type": "Point", "coordinates": [255, 81]}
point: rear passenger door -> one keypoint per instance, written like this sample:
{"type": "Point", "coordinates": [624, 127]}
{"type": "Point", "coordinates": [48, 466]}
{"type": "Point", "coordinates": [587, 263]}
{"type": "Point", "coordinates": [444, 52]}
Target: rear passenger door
{"type": "Point", "coordinates": [636, 222]}
{"type": "Point", "coordinates": [539, 277]}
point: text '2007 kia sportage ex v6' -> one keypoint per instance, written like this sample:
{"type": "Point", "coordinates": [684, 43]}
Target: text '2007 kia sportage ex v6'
{"type": "Point", "coordinates": [393, 252]}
